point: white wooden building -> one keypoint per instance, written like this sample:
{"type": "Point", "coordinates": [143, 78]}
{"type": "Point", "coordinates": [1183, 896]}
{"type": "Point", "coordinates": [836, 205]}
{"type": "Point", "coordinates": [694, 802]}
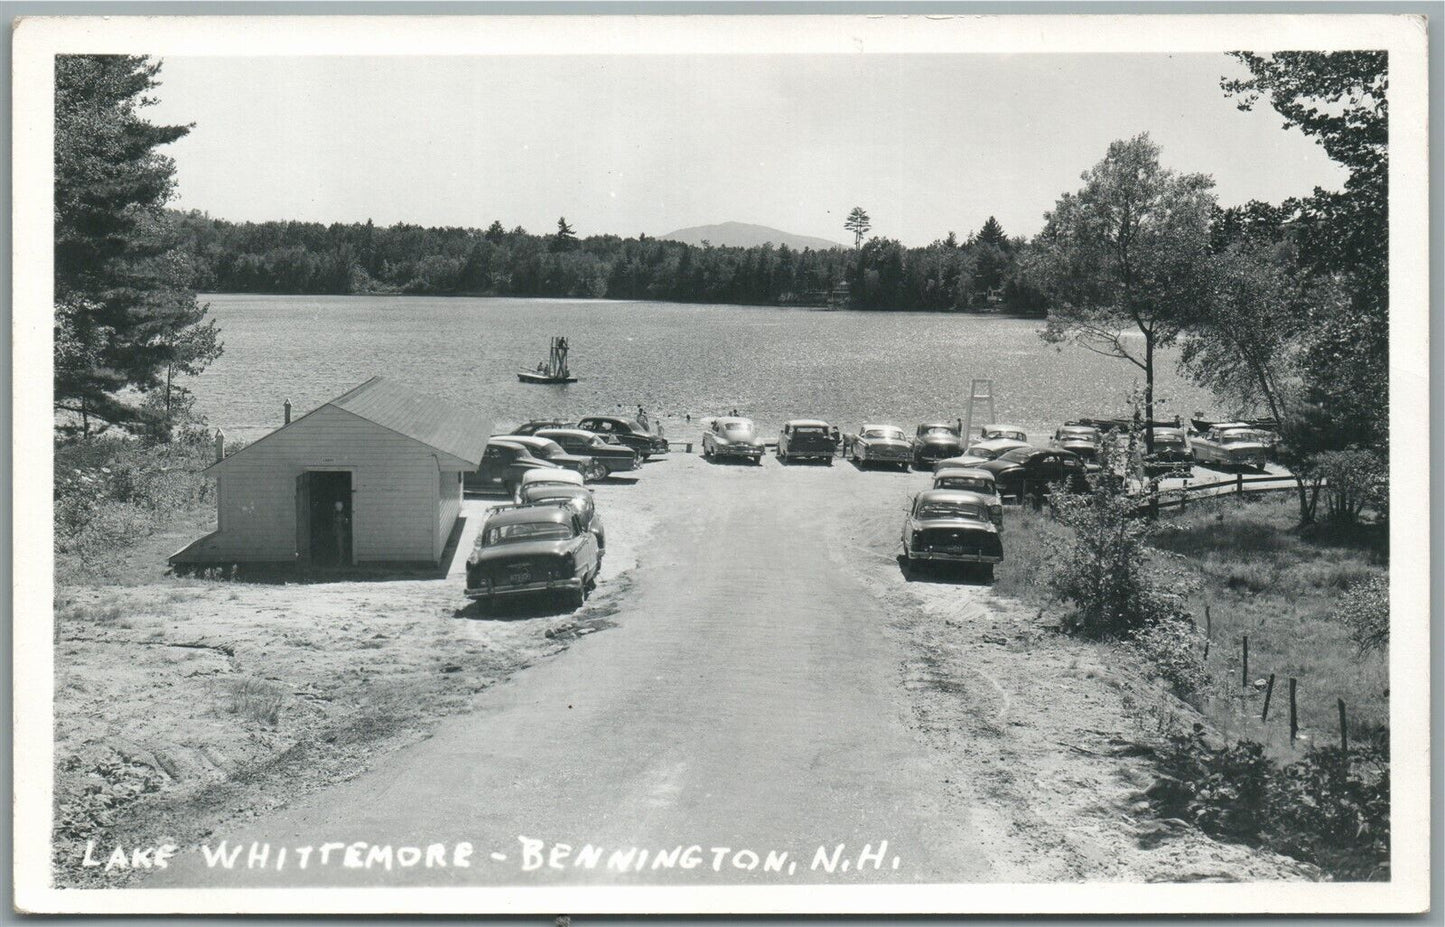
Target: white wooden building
{"type": "Point", "coordinates": [373, 476]}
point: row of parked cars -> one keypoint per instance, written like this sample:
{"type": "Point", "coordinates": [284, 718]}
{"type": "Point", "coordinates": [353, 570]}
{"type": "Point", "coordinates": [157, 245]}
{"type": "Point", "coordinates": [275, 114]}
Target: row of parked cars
{"type": "Point", "coordinates": [550, 539]}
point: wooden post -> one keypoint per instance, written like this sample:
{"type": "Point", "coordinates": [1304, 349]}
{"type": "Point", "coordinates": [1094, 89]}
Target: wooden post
{"type": "Point", "coordinates": [1268, 693]}
{"type": "Point", "coordinates": [1293, 712]}
{"type": "Point", "coordinates": [1184, 496]}
{"type": "Point", "coordinates": [1244, 673]}
{"type": "Point", "coordinates": [1239, 482]}
{"type": "Point", "coordinates": [1344, 729]}
{"type": "Point", "coordinates": [1208, 631]}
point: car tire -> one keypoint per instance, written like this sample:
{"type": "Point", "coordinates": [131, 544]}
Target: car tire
{"type": "Point", "coordinates": [986, 572]}
{"type": "Point", "coordinates": [575, 598]}
{"type": "Point", "coordinates": [828, 461]}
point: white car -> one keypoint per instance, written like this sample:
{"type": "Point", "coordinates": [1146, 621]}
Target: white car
{"type": "Point", "coordinates": [1012, 432]}
{"type": "Point", "coordinates": [982, 452]}
{"type": "Point", "coordinates": [557, 475]}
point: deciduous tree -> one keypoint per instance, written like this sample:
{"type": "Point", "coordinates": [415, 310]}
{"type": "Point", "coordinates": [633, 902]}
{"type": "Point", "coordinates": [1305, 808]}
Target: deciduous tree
{"type": "Point", "coordinates": [1125, 255]}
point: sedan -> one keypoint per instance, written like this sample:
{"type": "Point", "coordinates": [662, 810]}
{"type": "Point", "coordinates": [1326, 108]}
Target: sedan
{"type": "Point", "coordinates": [976, 481]}
{"type": "Point", "coordinates": [575, 497]}
{"type": "Point", "coordinates": [630, 432]}
{"type": "Point", "coordinates": [886, 445]}
{"type": "Point", "coordinates": [615, 458]}
{"type": "Point", "coordinates": [1030, 471]}
{"type": "Point", "coordinates": [951, 526]}
{"type": "Point", "coordinates": [1232, 444]}
{"type": "Point", "coordinates": [732, 439]}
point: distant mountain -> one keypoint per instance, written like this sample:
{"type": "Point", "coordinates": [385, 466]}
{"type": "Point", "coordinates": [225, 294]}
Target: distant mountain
{"type": "Point", "coordinates": [744, 235]}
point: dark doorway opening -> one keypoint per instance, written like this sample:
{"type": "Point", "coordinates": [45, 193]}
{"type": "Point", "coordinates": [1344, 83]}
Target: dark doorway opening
{"type": "Point", "coordinates": [324, 527]}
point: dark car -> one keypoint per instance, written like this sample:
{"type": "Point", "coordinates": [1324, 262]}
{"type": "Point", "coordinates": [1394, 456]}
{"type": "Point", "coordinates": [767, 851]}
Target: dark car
{"type": "Point", "coordinates": [503, 463]}
{"type": "Point", "coordinates": [627, 431]}
{"type": "Point", "coordinates": [952, 526]}
{"type": "Point", "coordinates": [1171, 452]}
{"type": "Point", "coordinates": [552, 452]}
{"type": "Point", "coordinates": [1029, 471]}
{"type": "Point", "coordinates": [935, 442]}
{"type": "Point", "coordinates": [536, 425]}
{"type": "Point", "coordinates": [577, 498]}
{"type": "Point", "coordinates": [807, 439]}
{"type": "Point", "coordinates": [615, 458]}
{"type": "Point", "coordinates": [533, 548]}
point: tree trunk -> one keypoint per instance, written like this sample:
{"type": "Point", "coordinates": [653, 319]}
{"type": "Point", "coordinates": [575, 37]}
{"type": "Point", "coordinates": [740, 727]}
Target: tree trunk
{"type": "Point", "coordinates": [1148, 393]}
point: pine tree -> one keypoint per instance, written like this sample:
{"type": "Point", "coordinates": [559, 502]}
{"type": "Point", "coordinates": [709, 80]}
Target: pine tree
{"type": "Point", "coordinates": [126, 316]}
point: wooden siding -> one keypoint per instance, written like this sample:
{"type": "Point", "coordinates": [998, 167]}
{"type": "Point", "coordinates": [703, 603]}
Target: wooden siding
{"type": "Point", "coordinates": [449, 490]}
{"type": "Point", "coordinates": [395, 502]}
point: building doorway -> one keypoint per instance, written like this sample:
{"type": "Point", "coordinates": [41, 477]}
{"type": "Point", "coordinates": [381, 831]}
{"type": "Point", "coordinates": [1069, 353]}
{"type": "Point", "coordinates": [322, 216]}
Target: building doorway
{"type": "Point", "coordinates": [323, 504]}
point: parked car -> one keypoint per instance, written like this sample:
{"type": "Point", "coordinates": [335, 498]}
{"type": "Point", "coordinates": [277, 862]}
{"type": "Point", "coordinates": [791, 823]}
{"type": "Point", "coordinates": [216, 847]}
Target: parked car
{"type": "Point", "coordinates": [885, 445]}
{"type": "Point", "coordinates": [934, 442]}
{"type": "Point", "coordinates": [503, 462]}
{"type": "Point", "coordinates": [533, 548]}
{"type": "Point", "coordinates": [644, 441]}
{"type": "Point", "coordinates": [536, 425]}
{"type": "Point", "coordinates": [732, 438]}
{"type": "Point", "coordinates": [1083, 440]}
{"type": "Point", "coordinates": [556, 477]}
{"type": "Point", "coordinates": [807, 439]}
{"type": "Point", "coordinates": [552, 452]}
{"type": "Point", "coordinates": [952, 526]}
{"type": "Point", "coordinates": [1171, 451]}
{"type": "Point", "coordinates": [1231, 444]}
{"type": "Point", "coordinates": [1011, 432]}
{"type": "Point", "coordinates": [615, 458]}
{"type": "Point", "coordinates": [982, 452]}
{"type": "Point", "coordinates": [577, 498]}
{"type": "Point", "coordinates": [976, 481]}
{"type": "Point", "coordinates": [1029, 471]}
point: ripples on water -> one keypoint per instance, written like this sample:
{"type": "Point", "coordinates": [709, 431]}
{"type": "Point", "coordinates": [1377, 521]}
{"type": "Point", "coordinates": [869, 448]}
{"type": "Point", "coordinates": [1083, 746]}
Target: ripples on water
{"type": "Point", "coordinates": [674, 359]}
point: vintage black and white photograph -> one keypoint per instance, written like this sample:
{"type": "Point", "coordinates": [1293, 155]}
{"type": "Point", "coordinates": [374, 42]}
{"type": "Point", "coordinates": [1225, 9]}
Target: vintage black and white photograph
{"type": "Point", "coordinates": [798, 463]}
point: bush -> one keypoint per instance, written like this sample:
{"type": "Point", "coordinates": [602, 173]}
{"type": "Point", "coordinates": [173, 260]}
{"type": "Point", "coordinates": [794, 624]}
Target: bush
{"type": "Point", "coordinates": [1365, 610]}
{"type": "Point", "coordinates": [1173, 647]}
{"type": "Point", "coordinates": [1329, 808]}
{"type": "Point", "coordinates": [1353, 479]}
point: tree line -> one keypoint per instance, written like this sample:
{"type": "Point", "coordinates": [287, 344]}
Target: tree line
{"type": "Point", "coordinates": [982, 271]}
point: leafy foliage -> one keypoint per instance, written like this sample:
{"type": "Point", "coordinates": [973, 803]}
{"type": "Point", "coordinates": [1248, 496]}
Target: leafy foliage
{"type": "Point", "coordinates": [1329, 808]}
{"type": "Point", "coordinates": [1365, 610]}
{"type": "Point", "coordinates": [126, 316]}
{"type": "Point", "coordinates": [1126, 254]}
{"type": "Point", "coordinates": [1173, 648]}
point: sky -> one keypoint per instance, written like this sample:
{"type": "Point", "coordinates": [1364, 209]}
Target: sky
{"type": "Point", "coordinates": [628, 144]}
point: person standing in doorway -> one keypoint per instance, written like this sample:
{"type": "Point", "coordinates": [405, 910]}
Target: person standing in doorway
{"type": "Point", "coordinates": [341, 526]}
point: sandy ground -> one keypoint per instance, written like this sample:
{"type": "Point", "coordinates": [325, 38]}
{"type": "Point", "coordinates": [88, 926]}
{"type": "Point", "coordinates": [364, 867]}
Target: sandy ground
{"type": "Point", "coordinates": [767, 678]}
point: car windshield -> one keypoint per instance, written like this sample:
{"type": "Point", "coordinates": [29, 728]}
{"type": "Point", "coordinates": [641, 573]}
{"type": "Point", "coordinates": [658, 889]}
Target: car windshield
{"type": "Point", "coordinates": [740, 430]}
{"type": "Point", "coordinates": [978, 450]}
{"type": "Point", "coordinates": [949, 510]}
{"type": "Point", "coordinates": [971, 483]}
{"type": "Point", "coordinates": [888, 434]}
{"type": "Point", "coordinates": [1081, 435]}
{"type": "Point", "coordinates": [1238, 437]}
{"type": "Point", "coordinates": [1017, 455]}
{"type": "Point", "coordinates": [1003, 433]}
{"type": "Point", "coordinates": [548, 450]}
{"type": "Point", "coordinates": [527, 531]}
{"type": "Point", "coordinates": [1168, 438]}
{"type": "Point", "coordinates": [940, 431]}
{"type": "Point", "coordinates": [810, 430]}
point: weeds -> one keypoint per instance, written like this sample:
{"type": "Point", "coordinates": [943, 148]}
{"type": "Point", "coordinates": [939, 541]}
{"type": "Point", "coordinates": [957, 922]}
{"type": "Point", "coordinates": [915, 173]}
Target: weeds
{"type": "Point", "coordinates": [254, 699]}
{"type": "Point", "coordinates": [1330, 808]}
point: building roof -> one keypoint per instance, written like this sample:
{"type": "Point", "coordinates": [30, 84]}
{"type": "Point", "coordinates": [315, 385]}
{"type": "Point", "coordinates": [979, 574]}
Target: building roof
{"type": "Point", "coordinates": [411, 414]}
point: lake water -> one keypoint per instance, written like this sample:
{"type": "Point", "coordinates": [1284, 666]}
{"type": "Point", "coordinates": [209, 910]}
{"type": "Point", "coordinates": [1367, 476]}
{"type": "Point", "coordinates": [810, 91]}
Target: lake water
{"type": "Point", "coordinates": [674, 359]}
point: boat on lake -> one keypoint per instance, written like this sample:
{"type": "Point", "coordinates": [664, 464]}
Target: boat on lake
{"type": "Point", "coordinates": [553, 369]}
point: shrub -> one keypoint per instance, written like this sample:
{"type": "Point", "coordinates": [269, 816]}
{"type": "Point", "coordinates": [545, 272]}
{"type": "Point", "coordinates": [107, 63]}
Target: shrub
{"type": "Point", "coordinates": [1353, 479]}
{"type": "Point", "coordinates": [254, 699]}
{"type": "Point", "coordinates": [1365, 610]}
{"type": "Point", "coordinates": [1173, 647]}
{"type": "Point", "coordinates": [1329, 808]}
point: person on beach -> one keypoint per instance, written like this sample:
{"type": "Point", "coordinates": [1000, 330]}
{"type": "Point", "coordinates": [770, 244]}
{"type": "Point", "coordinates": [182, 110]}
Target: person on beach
{"type": "Point", "coordinates": [642, 417]}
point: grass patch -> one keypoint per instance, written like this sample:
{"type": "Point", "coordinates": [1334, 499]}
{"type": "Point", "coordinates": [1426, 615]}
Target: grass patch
{"type": "Point", "coordinates": [253, 699]}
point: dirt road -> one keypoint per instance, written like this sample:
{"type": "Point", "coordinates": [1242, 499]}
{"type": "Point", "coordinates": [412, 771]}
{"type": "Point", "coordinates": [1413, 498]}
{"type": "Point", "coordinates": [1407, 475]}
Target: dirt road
{"type": "Point", "coordinates": [773, 685]}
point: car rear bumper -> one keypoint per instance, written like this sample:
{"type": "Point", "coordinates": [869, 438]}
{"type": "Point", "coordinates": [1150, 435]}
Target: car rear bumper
{"type": "Point", "coordinates": [954, 558]}
{"type": "Point", "coordinates": [723, 450]}
{"type": "Point", "coordinates": [548, 585]}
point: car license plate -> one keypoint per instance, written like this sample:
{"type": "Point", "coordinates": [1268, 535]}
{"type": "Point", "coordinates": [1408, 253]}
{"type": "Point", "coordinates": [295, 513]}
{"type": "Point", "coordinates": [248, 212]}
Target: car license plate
{"type": "Point", "coordinates": [518, 577]}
